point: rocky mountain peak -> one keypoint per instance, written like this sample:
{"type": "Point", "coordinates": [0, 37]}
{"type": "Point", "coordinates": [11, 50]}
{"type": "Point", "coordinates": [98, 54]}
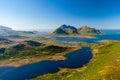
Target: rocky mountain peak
{"type": "Point", "coordinates": [68, 29]}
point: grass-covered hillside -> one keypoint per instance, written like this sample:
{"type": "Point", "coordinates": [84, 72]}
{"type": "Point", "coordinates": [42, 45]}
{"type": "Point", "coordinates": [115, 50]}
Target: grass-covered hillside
{"type": "Point", "coordinates": [30, 51]}
{"type": "Point", "coordinates": [105, 65]}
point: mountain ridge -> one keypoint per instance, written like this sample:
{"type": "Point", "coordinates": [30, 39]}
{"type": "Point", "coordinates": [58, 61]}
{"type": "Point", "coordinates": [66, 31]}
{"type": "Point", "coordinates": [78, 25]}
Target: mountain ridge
{"type": "Point", "coordinates": [5, 28]}
{"type": "Point", "coordinates": [70, 30]}
{"type": "Point", "coordinates": [64, 29]}
{"type": "Point", "coordinates": [7, 31]}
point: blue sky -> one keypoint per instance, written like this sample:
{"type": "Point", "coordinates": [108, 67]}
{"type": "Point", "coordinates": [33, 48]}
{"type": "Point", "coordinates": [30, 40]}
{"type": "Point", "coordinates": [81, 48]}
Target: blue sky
{"type": "Point", "coordinates": [50, 14]}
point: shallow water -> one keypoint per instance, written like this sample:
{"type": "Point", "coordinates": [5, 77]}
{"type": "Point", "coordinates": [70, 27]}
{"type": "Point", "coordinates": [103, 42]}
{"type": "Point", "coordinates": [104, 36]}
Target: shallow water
{"type": "Point", "coordinates": [106, 35]}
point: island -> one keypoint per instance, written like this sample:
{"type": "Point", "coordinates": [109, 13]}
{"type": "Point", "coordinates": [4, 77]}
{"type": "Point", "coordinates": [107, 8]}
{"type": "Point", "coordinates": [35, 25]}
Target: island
{"type": "Point", "coordinates": [71, 31]}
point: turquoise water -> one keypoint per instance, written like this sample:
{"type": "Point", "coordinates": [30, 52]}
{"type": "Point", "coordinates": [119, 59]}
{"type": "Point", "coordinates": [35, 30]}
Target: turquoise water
{"type": "Point", "coordinates": [106, 35]}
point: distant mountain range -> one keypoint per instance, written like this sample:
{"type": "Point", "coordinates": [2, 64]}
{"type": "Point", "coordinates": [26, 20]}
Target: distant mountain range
{"type": "Point", "coordinates": [5, 28]}
{"type": "Point", "coordinates": [6, 31]}
{"type": "Point", "coordinates": [70, 30]}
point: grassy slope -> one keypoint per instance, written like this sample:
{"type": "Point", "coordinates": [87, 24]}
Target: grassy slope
{"type": "Point", "coordinates": [31, 50]}
{"type": "Point", "coordinates": [105, 65]}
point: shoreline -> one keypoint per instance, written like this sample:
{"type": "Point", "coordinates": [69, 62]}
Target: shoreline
{"type": "Point", "coordinates": [20, 62]}
{"type": "Point", "coordinates": [77, 36]}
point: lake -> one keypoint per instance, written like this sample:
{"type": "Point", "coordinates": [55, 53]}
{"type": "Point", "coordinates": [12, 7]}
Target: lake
{"type": "Point", "coordinates": [74, 59]}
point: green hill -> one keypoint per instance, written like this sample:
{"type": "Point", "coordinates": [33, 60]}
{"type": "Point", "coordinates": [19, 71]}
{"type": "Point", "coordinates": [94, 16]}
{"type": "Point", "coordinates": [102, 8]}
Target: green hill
{"type": "Point", "coordinates": [30, 49]}
{"type": "Point", "coordinates": [105, 65]}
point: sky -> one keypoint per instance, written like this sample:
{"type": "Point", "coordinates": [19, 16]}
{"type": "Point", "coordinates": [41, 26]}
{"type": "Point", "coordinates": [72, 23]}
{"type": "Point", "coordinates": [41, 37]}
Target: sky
{"type": "Point", "coordinates": [50, 14]}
